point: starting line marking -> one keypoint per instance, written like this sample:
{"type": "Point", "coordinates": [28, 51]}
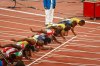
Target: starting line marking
{"type": "Point", "coordinates": [51, 51]}
{"type": "Point", "coordinates": [44, 15]}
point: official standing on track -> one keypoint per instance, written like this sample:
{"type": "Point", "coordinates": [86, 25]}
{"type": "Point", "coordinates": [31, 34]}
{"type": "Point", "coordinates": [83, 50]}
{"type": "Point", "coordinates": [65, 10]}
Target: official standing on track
{"type": "Point", "coordinates": [49, 6]}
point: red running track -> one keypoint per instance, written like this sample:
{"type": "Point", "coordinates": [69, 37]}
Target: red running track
{"type": "Point", "coordinates": [84, 50]}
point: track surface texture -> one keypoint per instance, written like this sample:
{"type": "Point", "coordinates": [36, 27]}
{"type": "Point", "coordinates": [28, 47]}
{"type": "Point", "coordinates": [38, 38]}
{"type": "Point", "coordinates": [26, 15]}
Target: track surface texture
{"type": "Point", "coordinates": [82, 50]}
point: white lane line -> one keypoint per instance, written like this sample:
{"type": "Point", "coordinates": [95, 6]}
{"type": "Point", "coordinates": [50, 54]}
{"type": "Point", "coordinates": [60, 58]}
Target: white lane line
{"type": "Point", "coordinates": [86, 40]}
{"type": "Point", "coordinates": [19, 23]}
{"type": "Point", "coordinates": [12, 35]}
{"type": "Point", "coordinates": [38, 26]}
{"type": "Point", "coordinates": [23, 12]}
{"type": "Point", "coordinates": [51, 51]}
{"type": "Point", "coordinates": [88, 33]}
{"type": "Point", "coordinates": [39, 14]}
{"type": "Point", "coordinates": [75, 64]}
{"type": "Point", "coordinates": [93, 22]}
{"type": "Point", "coordinates": [87, 36]}
{"type": "Point", "coordinates": [35, 25]}
{"type": "Point", "coordinates": [14, 28]}
{"type": "Point", "coordinates": [66, 56]}
{"type": "Point", "coordinates": [27, 12]}
{"type": "Point", "coordinates": [5, 40]}
{"type": "Point", "coordinates": [39, 21]}
{"type": "Point", "coordinates": [42, 21]}
{"type": "Point", "coordinates": [52, 61]}
{"type": "Point", "coordinates": [15, 31]}
{"type": "Point", "coordinates": [82, 39]}
{"type": "Point", "coordinates": [84, 45]}
{"type": "Point", "coordinates": [24, 32]}
{"type": "Point", "coordinates": [78, 45]}
{"type": "Point", "coordinates": [21, 18]}
{"type": "Point", "coordinates": [88, 27]}
{"type": "Point", "coordinates": [31, 25]}
{"type": "Point", "coordinates": [74, 50]}
{"type": "Point", "coordinates": [94, 29]}
{"type": "Point", "coordinates": [22, 24]}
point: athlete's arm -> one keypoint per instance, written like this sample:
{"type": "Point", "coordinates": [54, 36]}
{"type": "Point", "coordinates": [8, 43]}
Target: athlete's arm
{"type": "Point", "coordinates": [72, 29]}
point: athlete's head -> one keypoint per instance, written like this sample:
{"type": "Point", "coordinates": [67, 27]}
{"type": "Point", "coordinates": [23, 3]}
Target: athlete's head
{"type": "Point", "coordinates": [12, 58]}
{"type": "Point", "coordinates": [81, 22]}
{"type": "Point", "coordinates": [67, 28]}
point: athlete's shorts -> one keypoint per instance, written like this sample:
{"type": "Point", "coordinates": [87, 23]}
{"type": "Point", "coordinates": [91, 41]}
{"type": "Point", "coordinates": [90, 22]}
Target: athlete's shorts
{"type": "Point", "coordinates": [66, 22]}
{"type": "Point", "coordinates": [41, 37]}
{"type": "Point", "coordinates": [40, 43]}
{"type": "Point", "coordinates": [1, 63]}
{"type": "Point", "coordinates": [57, 32]}
{"type": "Point", "coordinates": [18, 53]}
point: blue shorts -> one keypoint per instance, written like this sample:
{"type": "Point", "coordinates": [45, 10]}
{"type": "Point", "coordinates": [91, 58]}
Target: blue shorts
{"type": "Point", "coordinates": [66, 22]}
{"type": "Point", "coordinates": [41, 37]}
{"type": "Point", "coordinates": [1, 63]}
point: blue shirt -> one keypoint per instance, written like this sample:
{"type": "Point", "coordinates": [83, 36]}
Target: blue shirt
{"type": "Point", "coordinates": [47, 4]}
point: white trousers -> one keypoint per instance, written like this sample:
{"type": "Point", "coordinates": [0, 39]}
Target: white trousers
{"type": "Point", "coordinates": [49, 16]}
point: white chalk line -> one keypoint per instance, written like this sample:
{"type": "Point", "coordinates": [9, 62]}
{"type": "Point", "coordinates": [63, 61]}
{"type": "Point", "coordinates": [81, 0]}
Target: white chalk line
{"type": "Point", "coordinates": [78, 64]}
{"type": "Point", "coordinates": [74, 50]}
{"type": "Point", "coordinates": [51, 51]}
{"type": "Point", "coordinates": [19, 23]}
{"type": "Point", "coordinates": [21, 18]}
{"type": "Point", "coordinates": [40, 21]}
{"type": "Point", "coordinates": [38, 14]}
{"type": "Point", "coordinates": [71, 50]}
{"type": "Point", "coordinates": [84, 45]}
